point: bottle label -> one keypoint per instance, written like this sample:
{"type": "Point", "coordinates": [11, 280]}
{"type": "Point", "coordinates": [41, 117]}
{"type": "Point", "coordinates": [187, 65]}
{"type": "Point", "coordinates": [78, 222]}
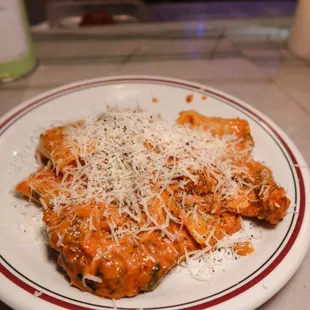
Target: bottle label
{"type": "Point", "coordinates": [13, 37]}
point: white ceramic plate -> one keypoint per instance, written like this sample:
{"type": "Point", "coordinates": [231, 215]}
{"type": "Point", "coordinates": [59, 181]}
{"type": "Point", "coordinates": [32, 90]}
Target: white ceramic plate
{"type": "Point", "coordinates": [31, 280]}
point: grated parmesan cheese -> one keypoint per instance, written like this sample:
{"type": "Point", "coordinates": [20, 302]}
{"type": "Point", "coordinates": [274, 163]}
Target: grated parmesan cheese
{"type": "Point", "coordinates": [90, 277]}
{"type": "Point", "coordinates": [128, 157]}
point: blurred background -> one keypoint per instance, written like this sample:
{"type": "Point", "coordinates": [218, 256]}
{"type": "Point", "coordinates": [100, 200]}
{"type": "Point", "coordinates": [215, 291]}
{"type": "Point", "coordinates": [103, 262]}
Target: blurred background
{"type": "Point", "coordinates": [159, 10]}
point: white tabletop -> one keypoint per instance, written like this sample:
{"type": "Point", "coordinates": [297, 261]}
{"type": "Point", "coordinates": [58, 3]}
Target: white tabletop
{"type": "Point", "coordinates": [248, 62]}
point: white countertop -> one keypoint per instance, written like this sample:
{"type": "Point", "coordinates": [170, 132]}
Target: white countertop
{"type": "Point", "coordinates": [250, 63]}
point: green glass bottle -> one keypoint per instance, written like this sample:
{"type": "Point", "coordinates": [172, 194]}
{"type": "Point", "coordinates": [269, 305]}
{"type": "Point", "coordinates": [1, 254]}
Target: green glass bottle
{"type": "Point", "coordinates": [16, 50]}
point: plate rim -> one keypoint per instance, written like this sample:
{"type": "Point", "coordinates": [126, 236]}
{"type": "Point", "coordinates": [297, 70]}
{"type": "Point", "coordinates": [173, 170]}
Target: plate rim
{"type": "Point", "coordinates": [272, 126]}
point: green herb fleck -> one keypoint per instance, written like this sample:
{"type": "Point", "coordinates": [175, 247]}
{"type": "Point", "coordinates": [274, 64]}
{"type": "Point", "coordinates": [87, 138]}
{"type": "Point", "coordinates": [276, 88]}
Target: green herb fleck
{"type": "Point", "coordinates": [248, 136]}
{"type": "Point", "coordinates": [154, 277]}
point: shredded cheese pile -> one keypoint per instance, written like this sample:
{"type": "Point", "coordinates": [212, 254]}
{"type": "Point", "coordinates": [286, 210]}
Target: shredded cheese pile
{"type": "Point", "coordinates": [129, 157]}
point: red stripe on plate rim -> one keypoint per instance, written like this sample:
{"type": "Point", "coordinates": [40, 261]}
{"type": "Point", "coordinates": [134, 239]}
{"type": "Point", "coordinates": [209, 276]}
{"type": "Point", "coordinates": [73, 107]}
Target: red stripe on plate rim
{"type": "Point", "coordinates": [215, 301]}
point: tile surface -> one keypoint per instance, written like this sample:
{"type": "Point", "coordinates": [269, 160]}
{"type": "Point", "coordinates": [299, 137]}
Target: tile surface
{"type": "Point", "coordinates": [294, 81]}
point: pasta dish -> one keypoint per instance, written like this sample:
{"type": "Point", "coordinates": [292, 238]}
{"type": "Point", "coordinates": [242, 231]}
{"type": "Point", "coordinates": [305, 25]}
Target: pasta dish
{"type": "Point", "coordinates": [126, 196]}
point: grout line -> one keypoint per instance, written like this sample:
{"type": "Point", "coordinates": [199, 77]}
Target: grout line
{"type": "Point", "coordinates": [129, 57]}
{"type": "Point", "coordinates": [292, 98]}
{"type": "Point", "coordinates": [278, 49]}
{"type": "Point", "coordinates": [215, 46]}
{"type": "Point", "coordinates": [251, 60]}
{"type": "Point", "coordinates": [294, 58]}
{"type": "Point", "coordinates": [174, 35]}
{"type": "Point", "coordinates": [123, 59]}
{"type": "Point", "coordinates": [272, 80]}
